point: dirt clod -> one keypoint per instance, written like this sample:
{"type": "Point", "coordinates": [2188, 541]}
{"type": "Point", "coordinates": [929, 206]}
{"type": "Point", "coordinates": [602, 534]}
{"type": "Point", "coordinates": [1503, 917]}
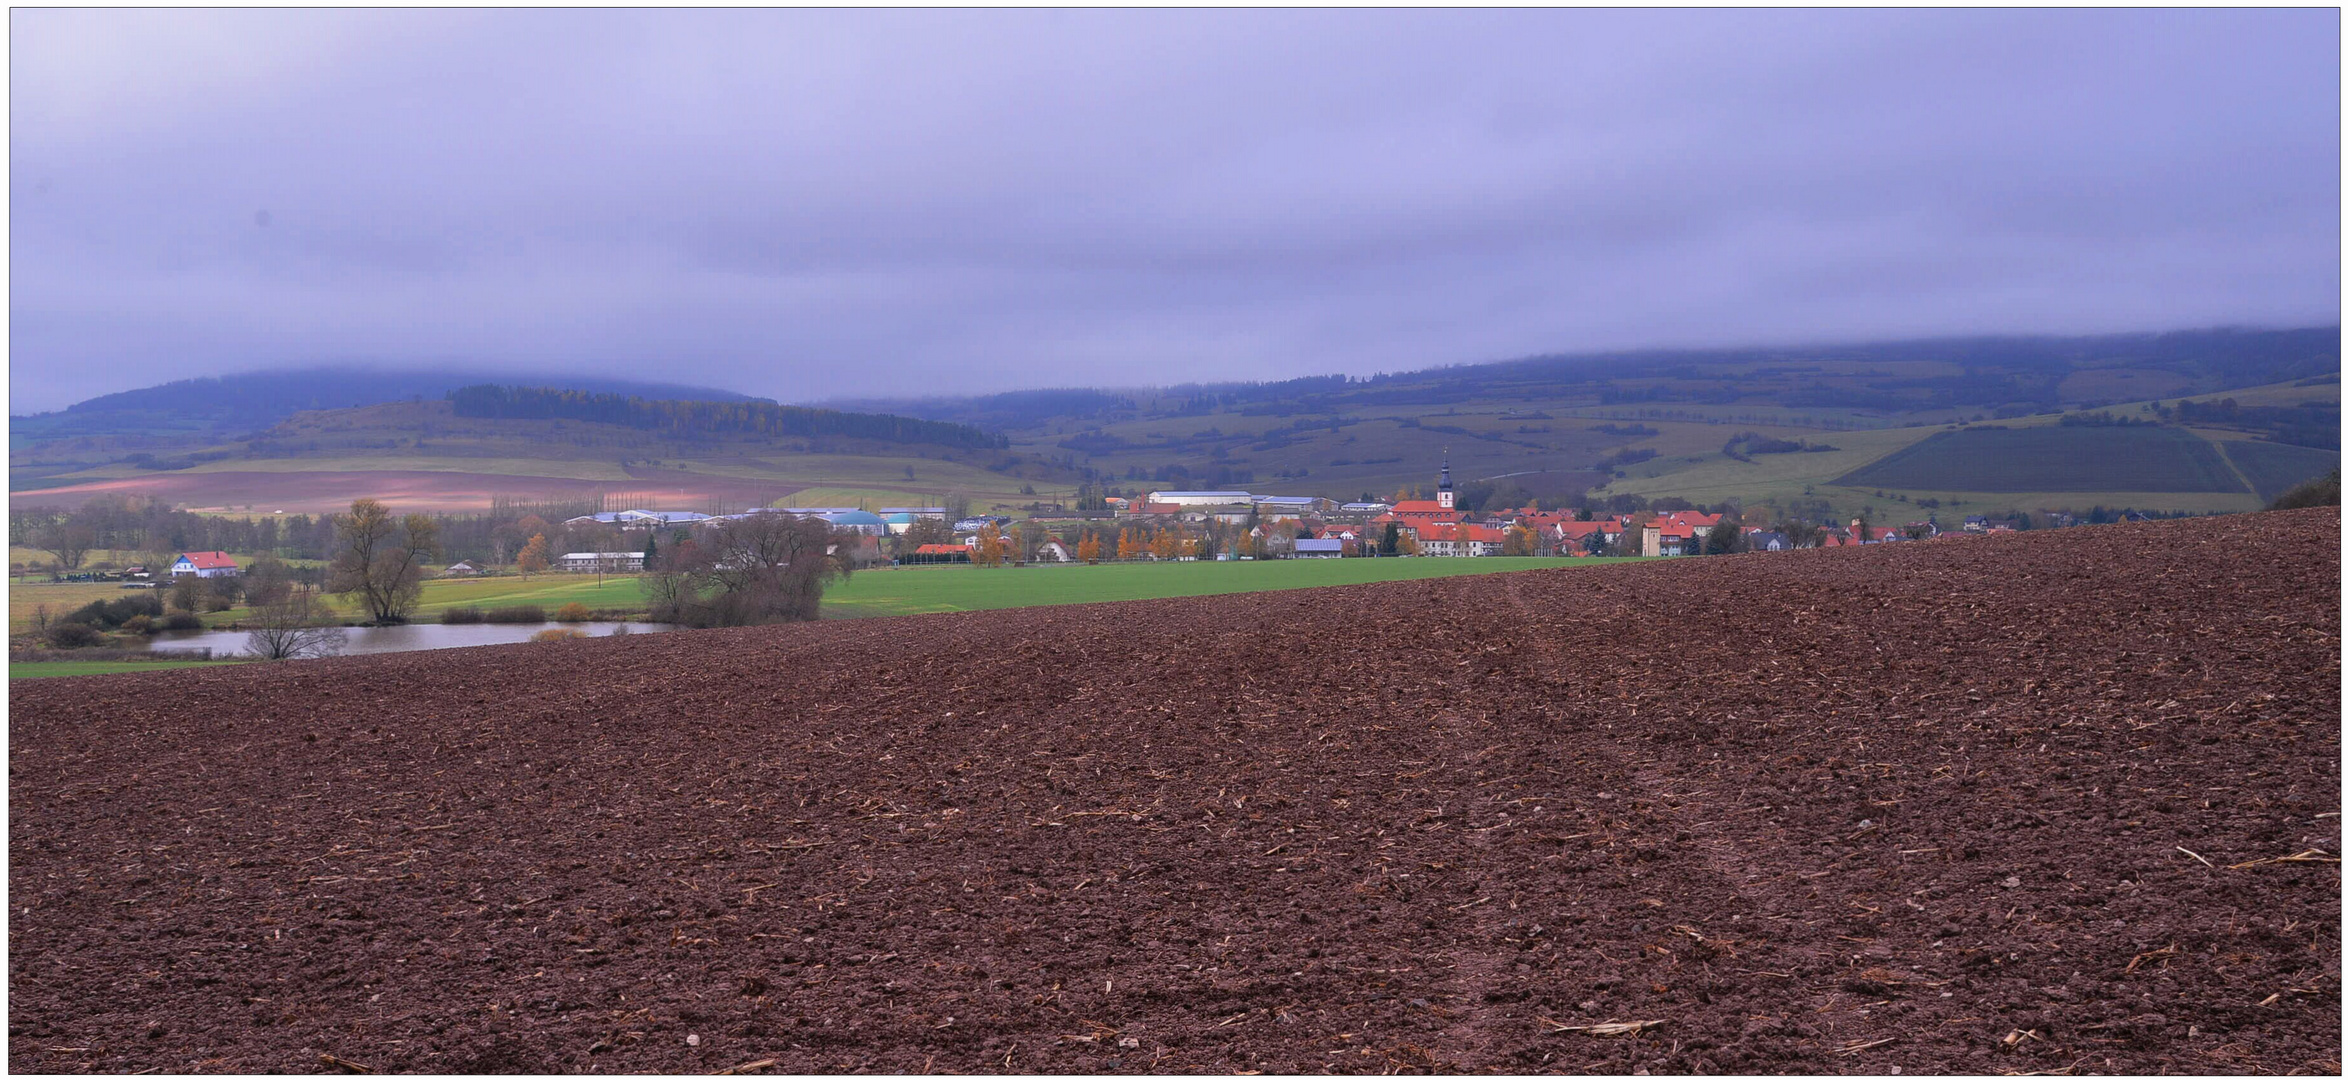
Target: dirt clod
{"type": "Point", "coordinates": [1282, 832]}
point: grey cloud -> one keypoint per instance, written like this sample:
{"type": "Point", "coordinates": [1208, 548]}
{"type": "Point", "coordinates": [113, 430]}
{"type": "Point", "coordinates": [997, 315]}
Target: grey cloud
{"type": "Point", "coordinates": [810, 203]}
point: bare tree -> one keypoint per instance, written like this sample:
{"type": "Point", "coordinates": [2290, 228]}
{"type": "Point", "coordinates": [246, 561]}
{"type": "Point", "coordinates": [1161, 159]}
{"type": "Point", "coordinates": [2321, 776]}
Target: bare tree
{"type": "Point", "coordinates": [69, 540]}
{"type": "Point", "coordinates": [382, 560]}
{"type": "Point", "coordinates": [295, 625]}
{"type": "Point", "coordinates": [761, 569]}
{"type": "Point", "coordinates": [267, 580]}
{"type": "Point", "coordinates": [187, 593]}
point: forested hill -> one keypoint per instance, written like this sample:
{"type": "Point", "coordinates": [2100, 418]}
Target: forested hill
{"type": "Point", "coordinates": [1892, 380]}
{"type": "Point", "coordinates": [236, 404]}
{"type": "Point", "coordinates": [705, 418]}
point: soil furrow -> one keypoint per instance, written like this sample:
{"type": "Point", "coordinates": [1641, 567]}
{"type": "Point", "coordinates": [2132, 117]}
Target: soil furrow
{"type": "Point", "coordinates": [2013, 804]}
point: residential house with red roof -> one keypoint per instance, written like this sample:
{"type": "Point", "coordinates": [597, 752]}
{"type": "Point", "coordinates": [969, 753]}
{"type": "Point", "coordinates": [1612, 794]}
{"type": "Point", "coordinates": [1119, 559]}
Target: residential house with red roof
{"type": "Point", "coordinates": [204, 564]}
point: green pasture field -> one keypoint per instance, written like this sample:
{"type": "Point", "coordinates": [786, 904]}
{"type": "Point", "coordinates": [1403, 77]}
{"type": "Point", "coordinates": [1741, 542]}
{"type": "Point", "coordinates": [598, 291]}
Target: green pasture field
{"type": "Point", "coordinates": [1713, 477]}
{"type": "Point", "coordinates": [2267, 394]}
{"type": "Point", "coordinates": [895, 590]}
{"type": "Point", "coordinates": [2053, 458]}
{"type": "Point", "coordinates": [34, 557]}
{"type": "Point", "coordinates": [50, 669]}
{"type": "Point", "coordinates": [616, 592]}
{"type": "Point", "coordinates": [931, 589]}
{"type": "Point", "coordinates": [25, 596]}
{"type": "Point", "coordinates": [2274, 468]}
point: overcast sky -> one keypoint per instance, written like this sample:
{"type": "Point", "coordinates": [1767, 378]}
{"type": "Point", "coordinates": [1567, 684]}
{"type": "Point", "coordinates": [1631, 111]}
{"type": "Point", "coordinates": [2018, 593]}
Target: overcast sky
{"type": "Point", "coordinates": [802, 204]}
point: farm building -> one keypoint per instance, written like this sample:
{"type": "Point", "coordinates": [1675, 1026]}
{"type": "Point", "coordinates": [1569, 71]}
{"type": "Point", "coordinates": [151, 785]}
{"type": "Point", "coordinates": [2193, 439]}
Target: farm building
{"type": "Point", "coordinates": [603, 562]}
{"type": "Point", "coordinates": [1200, 498]}
{"type": "Point", "coordinates": [1054, 551]}
{"type": "Point", "coordinates": [204, 564]}
{"type": "Point", "coordinates": [461, 568]}
{"type": "Point", "coordinates": [638, 519]}
{"type": "Point", "coordinates": [1331, 548]}
{"type": "Point", "coordinates": [1286, 505]}
{"type": "Point", "coordinates": [863, 521]}
{"type": "Point", "coordinates": [939, 553]}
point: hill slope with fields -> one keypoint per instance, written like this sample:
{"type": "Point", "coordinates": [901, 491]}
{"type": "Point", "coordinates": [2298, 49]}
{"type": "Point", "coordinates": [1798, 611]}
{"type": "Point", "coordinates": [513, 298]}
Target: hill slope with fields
{"type": "Point", "coordinates": [1813, 432]}
{"type": "Point", "coordinates": [1782, 426]}
{"type": "Point", "coordinates": [1924, 806]}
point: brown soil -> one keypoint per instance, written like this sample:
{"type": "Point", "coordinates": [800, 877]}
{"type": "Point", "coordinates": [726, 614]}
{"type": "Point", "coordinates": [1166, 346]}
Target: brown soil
{"type": "Point", "coordinates": [319, 492]}
{"type": "Point", "coordinates": [1924, 806]}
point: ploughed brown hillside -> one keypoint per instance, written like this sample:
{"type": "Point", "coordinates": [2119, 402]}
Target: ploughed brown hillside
{"type": "Point", "coordinates": [2055, 800]}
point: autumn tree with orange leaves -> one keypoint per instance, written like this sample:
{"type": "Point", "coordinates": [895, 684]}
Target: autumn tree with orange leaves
{"type": "Point", "coordinates": [533, 559]}
{"type": "Point", "coordinates": [989, 551]}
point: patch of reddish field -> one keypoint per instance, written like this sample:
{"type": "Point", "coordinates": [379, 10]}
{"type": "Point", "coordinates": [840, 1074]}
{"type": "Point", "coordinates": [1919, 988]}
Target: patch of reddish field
{"type": "Point", "coordinates": [2061, 800]}
{"type": "Point", "coordinates": [326, 492]}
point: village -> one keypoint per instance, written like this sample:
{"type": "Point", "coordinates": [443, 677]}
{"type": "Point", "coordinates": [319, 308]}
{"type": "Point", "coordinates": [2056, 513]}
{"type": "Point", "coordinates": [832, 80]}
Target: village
{"type": "Point", "coordinates": [1173, 525]}
{"type": "Point", "coordinates": [1229, 525]}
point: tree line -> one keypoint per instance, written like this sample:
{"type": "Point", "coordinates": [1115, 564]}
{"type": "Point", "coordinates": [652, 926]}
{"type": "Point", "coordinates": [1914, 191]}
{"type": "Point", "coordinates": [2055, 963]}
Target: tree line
{"type": "Point", "coordinates": [703, 418]}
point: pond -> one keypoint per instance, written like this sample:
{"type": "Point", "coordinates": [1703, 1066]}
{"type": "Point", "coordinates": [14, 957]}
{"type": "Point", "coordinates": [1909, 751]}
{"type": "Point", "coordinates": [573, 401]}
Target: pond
{"type": "Point", "coordinates": [360, 640]}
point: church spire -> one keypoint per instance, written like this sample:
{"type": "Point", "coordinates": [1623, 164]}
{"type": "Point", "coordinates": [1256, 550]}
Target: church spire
{"type": "Point", "coordinates": [1443, 490]}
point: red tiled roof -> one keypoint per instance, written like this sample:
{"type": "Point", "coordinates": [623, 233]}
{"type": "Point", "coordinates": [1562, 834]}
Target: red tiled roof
{"type": "Point", "coordinates": [1422, 508]}
{"type": "Point", "coordinates": [209, 560]}
{"type": "Point", "coordinates": [941, 549]}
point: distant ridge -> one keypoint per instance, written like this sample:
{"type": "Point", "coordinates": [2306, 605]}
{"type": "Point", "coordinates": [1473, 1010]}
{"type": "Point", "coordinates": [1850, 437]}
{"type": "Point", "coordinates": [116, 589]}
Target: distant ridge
{"type": "Point", "coordinates": [232, 404]}
{"type": "Point", "coordinates": [2211, 360]}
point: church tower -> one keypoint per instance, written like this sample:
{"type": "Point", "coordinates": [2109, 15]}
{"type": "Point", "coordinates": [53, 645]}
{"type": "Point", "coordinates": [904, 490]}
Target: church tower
{"type": "Point", "coordinates": [1443, 490]}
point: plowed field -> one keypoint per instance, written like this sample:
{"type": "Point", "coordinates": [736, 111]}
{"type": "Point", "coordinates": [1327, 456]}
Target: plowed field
{"type": "Point", "coordinates": [1925, 806]}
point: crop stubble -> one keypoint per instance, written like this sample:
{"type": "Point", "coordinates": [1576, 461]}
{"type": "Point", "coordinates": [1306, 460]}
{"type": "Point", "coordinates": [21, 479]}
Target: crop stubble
{"type": "Point", "coordinates": [1974, 806]}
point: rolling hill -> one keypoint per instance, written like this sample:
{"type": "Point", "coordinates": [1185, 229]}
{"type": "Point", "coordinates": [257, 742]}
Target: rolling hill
{"type": "Point", "coordinates": [1825, 432]}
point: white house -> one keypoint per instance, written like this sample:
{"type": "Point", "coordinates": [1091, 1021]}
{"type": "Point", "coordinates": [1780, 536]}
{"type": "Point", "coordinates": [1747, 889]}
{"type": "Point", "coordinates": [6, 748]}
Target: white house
{"type": "Point", "coordinates": [204, 564]}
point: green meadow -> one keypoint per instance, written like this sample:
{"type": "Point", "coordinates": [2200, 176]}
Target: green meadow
{"type": "Point", "coordinates": [918, 590]}
{"type": "Point", "coordinates": [50, 669]}
{"type": "Point", "coordinates": [930, 589]}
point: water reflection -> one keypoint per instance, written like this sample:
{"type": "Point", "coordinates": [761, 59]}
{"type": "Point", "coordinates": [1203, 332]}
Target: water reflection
{"type": "Point", "coordinates": [387, 639]}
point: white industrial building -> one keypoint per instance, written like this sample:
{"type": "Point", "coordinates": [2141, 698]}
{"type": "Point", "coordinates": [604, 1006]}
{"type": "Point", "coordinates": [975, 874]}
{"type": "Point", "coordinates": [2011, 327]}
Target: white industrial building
{"type": "Point", "coordinates": [1200, 498]}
